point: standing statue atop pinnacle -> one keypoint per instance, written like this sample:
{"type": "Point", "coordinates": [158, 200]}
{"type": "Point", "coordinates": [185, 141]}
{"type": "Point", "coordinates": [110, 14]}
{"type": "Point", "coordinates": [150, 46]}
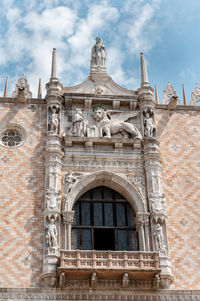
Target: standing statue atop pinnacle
{"type": "Point", "coordinates": [98, 56]}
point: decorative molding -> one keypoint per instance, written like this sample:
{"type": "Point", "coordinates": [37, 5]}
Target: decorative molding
{"type": "Point", "coordinates": [49, 294]}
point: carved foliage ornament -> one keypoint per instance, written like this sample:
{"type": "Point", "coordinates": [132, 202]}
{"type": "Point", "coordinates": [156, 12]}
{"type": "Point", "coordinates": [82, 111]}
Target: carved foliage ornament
{"type": "Point", "coordinates": [168, 94]}
{"type": "Point", "coordinates": [68, 217]}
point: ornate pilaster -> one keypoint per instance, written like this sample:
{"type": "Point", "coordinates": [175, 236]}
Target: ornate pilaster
{"type": "Point", "coordinates": [156, 199]}
{"type": "Point", "coordinates": [53, 156]}
{"type": "Point", "coordinates": [153, 170]}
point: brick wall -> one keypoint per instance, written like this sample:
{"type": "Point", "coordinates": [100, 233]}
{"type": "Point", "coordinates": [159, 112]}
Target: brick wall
{"type": "Point", "coordinates": [22, 198]}
{"type": "Point", "coordinates": [179, 136]}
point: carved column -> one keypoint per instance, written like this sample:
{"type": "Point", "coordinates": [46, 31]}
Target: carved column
{"type": "Point", "coordinates": [157, 208]}
{"type": "Point", "coordinates": [68, 217]}
{"type": "Point", "coordinates": [53, 157]}
{"type": "Point", "coordinates": [142, 224]}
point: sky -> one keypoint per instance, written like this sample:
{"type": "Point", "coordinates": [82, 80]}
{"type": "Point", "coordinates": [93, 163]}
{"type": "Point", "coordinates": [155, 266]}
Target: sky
{"type": "Point", "coordinates": [166, 31]}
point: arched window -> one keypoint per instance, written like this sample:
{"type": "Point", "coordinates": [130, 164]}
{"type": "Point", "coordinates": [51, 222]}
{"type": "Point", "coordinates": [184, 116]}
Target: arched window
{"type": "Point", "coordinates": [104, 220]}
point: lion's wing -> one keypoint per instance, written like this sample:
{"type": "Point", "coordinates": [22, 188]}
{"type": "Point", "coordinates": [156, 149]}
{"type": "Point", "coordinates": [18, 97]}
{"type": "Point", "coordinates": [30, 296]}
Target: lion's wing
{"type": "Point", "coordinates": [122, 116]}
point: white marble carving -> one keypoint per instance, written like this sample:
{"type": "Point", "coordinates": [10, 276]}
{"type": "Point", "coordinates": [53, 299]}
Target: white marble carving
{"type": "Point", "coordinates": [78, 127]}
{"type": "Point", "coordinates": [98, 56]}
{"type": "Point", "coordinates": [149, 124]}
{"type": "Point", "coordinates": [53, 199]}
{"type": "Point", "coordinates": [195, 96]}
{"type": "Point", "coordinates": [138, 180]}
{"type": "Point", "coordinates": [54, 120]}
{"type": "Point", "coordinates": [168, 94]}
{"type": "Point", "coordinates": [22, 85]}
{"type": "Point", "coordinates": [154, 181]}
{"type": "Point", "coordinates": [52, 234]}
{"type": "Point", "coordinates": [157, 203]}
{"type": "Point", "coordinates": [158, 238]}
{"type": "Point", "coordinates": [69, 180]}
{"type": "Point", "coordinates": [125, 280]}
{"type": "Point", "coordinates": [109, 127]}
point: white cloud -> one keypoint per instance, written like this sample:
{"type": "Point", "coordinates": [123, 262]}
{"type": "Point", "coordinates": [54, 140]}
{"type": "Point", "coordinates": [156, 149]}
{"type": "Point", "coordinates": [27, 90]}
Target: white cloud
{"type": "Point", "coordinates": [141, 25]}
{"type": "Point", "coordinates": [31, 35]}
{"type": "Point", "coordinates": [54, 23]}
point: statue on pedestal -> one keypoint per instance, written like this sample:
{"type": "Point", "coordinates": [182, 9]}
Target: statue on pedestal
{"type": "Point", "coordinates": [98, 56]}
{"type": "Point", "coordinates": [52, 234]}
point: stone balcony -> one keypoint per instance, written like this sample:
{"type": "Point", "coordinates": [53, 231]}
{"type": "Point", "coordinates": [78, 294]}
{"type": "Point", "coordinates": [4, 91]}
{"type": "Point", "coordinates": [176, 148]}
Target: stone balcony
{"type": "Point", "coordinates": [109, 264]}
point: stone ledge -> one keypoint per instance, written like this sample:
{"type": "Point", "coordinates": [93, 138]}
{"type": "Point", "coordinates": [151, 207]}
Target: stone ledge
{"type": "Point", "coordinates": [90, 142]}
{"type": "Point", "coordinates": [69, 294]}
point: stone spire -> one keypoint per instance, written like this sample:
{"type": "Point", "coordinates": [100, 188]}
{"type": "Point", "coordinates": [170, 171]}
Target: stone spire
{"type": "Point", "coordinates": [184, 96]}
{"type": "Point", "coordinates": [40, 89]}
{"type": "Point", "coordinates": [6, 88]}
{"type": "Point", "coordinates": [156, 95]}
{"type": "Point", "coordinates": [144, 75]}
{"type": "Point", "coordinates": [54, 65]}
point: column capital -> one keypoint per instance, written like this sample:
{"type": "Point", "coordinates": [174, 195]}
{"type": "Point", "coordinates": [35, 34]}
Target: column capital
{"type": "Point", "coordinates": [142, 218]}
{"type": "Point", "coordinates": [68, 217]}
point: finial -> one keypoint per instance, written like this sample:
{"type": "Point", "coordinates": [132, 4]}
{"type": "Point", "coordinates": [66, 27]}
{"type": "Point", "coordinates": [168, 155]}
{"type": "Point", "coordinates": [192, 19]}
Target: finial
{"type": "Point", "coordinates": [54, 67]}
{"type": "Point", "coordinates": [6, 88]}
{"type": "Point", "coordinates": [39, 89]}
{"type": "Point", "coordinates": [156, 95]}
{"type": "Point", "coordinates": [184, 96]}
{"type": "Point", "coordinates": [144, 75]}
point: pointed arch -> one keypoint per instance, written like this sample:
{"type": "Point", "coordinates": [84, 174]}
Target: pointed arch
{"type": "Point", "coordinates": [108, 179]}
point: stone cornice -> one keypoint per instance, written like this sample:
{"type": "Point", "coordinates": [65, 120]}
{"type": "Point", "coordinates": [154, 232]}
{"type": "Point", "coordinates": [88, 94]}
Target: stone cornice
{"type": "Point", "coordinates": [69, 294]}
{"type": "Point", "coordinates": [178, 108]}
{"type": "Point", "coordinates": [28, 101]}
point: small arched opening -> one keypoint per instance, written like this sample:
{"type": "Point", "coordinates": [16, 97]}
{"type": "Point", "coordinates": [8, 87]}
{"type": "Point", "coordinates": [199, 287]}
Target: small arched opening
{"type": "Point", "coordinates": [104, 220]}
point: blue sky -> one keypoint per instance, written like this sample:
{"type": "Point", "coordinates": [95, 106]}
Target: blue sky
{"type": "Point", "coordinates": [167, 31]}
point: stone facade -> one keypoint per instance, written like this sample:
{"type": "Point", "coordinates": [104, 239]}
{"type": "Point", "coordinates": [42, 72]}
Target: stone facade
{"type": "Point", "coordinates": [54, 150]}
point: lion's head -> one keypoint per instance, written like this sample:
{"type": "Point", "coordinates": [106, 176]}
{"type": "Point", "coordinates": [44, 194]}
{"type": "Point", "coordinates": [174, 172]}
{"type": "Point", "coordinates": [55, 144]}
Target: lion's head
{"type": "Point", "coordinates": [100, 114]}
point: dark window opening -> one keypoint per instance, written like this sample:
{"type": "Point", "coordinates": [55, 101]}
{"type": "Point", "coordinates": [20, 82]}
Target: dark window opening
{"type": "Point", "coordinates": [104, 220]}
{"type": "Point", "coordinates": [104, 239]}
